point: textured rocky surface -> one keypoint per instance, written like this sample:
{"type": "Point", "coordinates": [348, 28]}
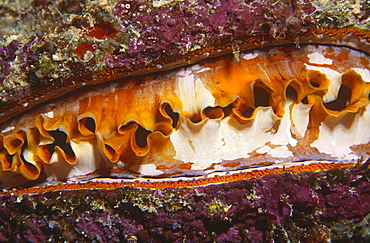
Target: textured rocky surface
{"type": "Point", "coordinates": [57, 45]}
{"type": "Point", "coordinates": [289, 207]}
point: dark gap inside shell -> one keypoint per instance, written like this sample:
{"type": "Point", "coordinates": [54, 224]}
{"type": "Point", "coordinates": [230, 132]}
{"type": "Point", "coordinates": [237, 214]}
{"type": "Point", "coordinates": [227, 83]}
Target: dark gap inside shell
{"type": "Point", "coordinates": [125, 127]}
{"type": "Point", "coordinates": [141, 135]}
{"type": "Point", "coordinates": [109, 148]}
{"type": "Point", "coordinates": [304, 100]}
{"type": "Point", "coordinates": [90, 124]}
{"type": "Point", "coordinates": [173, 115]}
{"type": "Point", "coordinates": [214, 112]}
{"type": "Point", "coordinates": [315, 84]}
{"type": "Point", "coordinates": [248, 112]}
{"type": "Point", "coordinates": [60, 140]}
{"type": "Point", "coordinates": [227, 110]}
{"type": "Point", "coordinates": [291, 93]}
{"type": "Point", "coordinates": [261, 97]}
{"type": "Point", "coordinates": [342, 100]}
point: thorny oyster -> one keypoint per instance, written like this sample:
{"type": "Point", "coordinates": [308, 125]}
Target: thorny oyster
{"type": "Point", "coordinates": [165, 89]}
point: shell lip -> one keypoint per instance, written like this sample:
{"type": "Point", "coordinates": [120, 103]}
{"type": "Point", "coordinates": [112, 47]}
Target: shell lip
{"type": "Point", "coordinates": [351, 37]}
{"type": "Point", "coordinates": [217, 177]}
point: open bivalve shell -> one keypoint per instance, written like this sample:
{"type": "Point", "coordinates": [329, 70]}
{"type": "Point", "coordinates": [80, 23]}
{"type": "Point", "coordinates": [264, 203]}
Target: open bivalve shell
{"type": "Point", "coordinates": [262, 107]}
{"type": "Point", "coordinates": [184, 121]}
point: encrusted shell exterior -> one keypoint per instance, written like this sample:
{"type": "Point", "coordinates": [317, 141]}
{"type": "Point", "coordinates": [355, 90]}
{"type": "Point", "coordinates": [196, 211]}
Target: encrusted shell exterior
{"type": "Point", "coordinates": [309, 206]}
{"type": "Point", "coordinates": [52, 47]}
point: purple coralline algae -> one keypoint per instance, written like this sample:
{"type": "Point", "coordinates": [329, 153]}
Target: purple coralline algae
{"type": "Point", "coordinates": [289, 207]}
{"type": "Point", "coordinates": [58, 42]}
{"type": "Point", "coordinates": [7, 54]}
{"type": "Point", "coordinates": [60, 45]}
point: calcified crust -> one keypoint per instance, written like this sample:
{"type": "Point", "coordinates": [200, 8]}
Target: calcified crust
{"type": "Point", "coordinates": [264, 106]}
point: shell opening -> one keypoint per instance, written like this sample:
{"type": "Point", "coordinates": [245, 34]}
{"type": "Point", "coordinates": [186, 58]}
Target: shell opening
{"type": "Point", "coordinates": [342, 100]}
{"type": "Point", "coordinates": [218, 115]}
